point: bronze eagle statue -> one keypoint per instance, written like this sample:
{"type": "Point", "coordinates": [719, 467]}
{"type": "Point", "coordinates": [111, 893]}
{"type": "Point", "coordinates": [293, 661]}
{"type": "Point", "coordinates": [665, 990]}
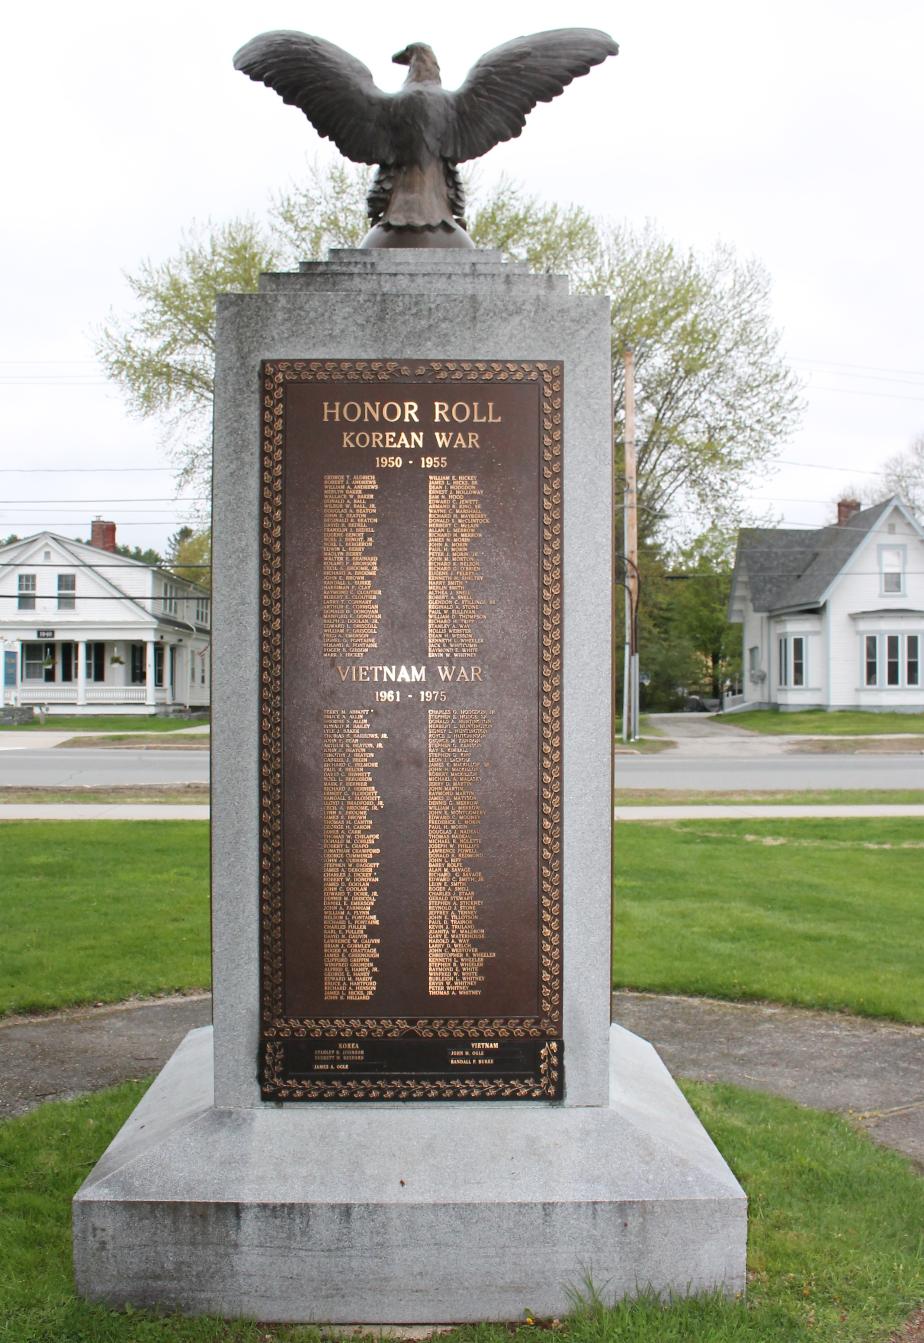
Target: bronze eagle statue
{"type": "Point", "coordinates": [419, 135]}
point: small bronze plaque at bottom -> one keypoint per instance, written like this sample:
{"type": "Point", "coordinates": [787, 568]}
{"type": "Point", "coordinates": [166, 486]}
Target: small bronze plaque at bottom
{"type": "Point", "coordinates": [457, 1069]}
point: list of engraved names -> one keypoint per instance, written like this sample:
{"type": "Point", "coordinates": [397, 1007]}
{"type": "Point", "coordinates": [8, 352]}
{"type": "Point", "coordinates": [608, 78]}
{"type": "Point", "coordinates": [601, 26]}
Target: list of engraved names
{"type": "Point", "coordinates": [410, 675]}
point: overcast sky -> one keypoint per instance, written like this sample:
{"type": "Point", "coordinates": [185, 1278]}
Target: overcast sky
{"type": "Point", "coordinates": [791, 130]}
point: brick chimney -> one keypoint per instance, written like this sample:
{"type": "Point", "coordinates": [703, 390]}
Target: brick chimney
{"type": "Point", "coordinates": [103, 534]}
{"type": "Point", "coordinates": [846, 509]}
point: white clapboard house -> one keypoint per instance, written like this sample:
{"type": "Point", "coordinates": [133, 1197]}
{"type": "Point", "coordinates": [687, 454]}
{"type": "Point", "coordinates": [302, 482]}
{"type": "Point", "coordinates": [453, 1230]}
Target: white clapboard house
{"type": "Point", "coordinates": [86, 630]}
{"type": "Point", "coordinates": [833, 618]}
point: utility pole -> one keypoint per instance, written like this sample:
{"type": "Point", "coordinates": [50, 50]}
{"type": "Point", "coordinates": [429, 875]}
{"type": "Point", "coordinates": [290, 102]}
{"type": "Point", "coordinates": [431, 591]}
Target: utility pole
{"type": "Point", "coordinates": [630, 677]}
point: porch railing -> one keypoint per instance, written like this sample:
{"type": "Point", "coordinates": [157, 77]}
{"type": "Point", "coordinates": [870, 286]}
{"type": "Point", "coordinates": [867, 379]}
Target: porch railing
{"type": "Point", "coordinates": [95, 694]}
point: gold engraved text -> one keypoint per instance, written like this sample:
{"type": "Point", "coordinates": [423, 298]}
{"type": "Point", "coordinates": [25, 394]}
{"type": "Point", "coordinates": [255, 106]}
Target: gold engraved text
{"type": "Point", "coordinates": [366, 412]}
{"type": "Point", "coordinates": [350, 854]}
{"type": "Point", "coordinates": [456, 522]}
{"type": "Point", "coordinates": [455, 958]}
{"type": "Point", "coordinates": [465, 412]}
{"type": "Point", "coordinates": [351, 611]}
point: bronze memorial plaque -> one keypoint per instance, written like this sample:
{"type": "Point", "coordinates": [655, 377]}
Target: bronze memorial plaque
{"type": "Point", "coordinates": [411, 730]}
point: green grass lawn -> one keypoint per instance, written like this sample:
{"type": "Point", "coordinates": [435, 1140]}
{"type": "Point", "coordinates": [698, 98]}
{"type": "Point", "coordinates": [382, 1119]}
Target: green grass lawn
{"type": "Point", "coordinates": [98, 911]}
{"type": "Point", "coordinates": [835, 1250]}
{"type": "Point", "coordinates": [103, 723]}
{"type": "Point", "coordinates": [822, 913]}
{"type": "Point", "coordinates": [815, 722]}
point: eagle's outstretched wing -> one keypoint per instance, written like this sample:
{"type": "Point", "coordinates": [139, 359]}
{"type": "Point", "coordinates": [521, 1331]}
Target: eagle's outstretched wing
{"type": "Point", "coordinates": [335, 91]}
{"type": "Point", "coordinates": [505, 84]}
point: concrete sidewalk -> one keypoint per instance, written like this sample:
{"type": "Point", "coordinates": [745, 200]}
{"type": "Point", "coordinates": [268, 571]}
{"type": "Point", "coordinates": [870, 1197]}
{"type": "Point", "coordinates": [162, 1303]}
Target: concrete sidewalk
{"type": "Point", "coordinates": [870, 1070]}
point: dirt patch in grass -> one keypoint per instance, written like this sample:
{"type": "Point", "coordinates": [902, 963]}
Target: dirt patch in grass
{"type": "Point", "coordinates": [817, 722]}
{"type": "Point", "coordinates": [644, 746]}
{"type": "Point", "coordinates": [670, 797]}
{"type": "Point", "coordinates": [138, 742]}
{"type": "Point", "coordinates": [909, 745]}
{"type": "Point", "coordinates": [149, 792]}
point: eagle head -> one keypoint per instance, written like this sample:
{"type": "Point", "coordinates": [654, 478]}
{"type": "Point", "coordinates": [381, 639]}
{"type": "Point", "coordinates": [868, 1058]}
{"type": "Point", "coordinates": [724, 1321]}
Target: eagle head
{"type": "Point", "coordinates": [421, 59]}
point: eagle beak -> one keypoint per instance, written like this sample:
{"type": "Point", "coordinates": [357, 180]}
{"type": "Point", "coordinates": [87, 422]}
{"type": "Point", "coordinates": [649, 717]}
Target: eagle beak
{"type": "Point", "coordinates": [402, 57]}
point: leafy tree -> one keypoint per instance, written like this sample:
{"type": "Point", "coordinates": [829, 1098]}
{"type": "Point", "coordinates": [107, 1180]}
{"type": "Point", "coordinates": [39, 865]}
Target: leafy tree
{"type": "Point", "coordinates": [700, 608]}
{"type": "Point", "coordinates": [143, 556]}
{"type": "Point", "coordinates": [10, 540]}
{"type": "Point", "coordinates": [686, 641]}
{"type": "Point", "coordinates": [904, 474]}
{"type": "Point", "coordinates": [328, 211]}
{"type": "Point", "coordinates": [189, 555]}
{"type": "Point", "coordinates": [162, 354]}
{"type": "Point", "coordinates": [713, 395]}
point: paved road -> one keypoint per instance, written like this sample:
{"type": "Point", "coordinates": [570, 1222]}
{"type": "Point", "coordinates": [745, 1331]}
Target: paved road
{"type": "Point", "coordinates": [66, 767]}
{"type": "Point", "coordinates": [787, 773]}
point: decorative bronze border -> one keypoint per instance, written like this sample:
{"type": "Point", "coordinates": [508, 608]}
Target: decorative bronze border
{"type": "Point", "coordinates": [275, 1025]}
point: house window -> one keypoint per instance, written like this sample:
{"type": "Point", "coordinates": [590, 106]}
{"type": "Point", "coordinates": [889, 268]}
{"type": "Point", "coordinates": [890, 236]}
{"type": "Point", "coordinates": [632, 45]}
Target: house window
{"type": "Point", "coordinates": [202, 610]}
{"type": "Point", "coordinates": [68, 662]}
{"type": "Point", "coordinates": [33, 662]}
{"type": "Point", "coordinates": [138, 665]}
{"type": "Point", "coordinates": [26, 592]}
{"type": "Point", "coordinates": [891, 660]}
{"type": "Point", "coordinates": [798, 660]}
{"type": "Point", "coordinates": [753, 660]}
{"type": "Point", "coordinates": [38, 662]}
{"type": "Point", "coordinates": [158, 664]}
{"type": "Point", "coordinates": [96, 662]}
{"type": "Point", "coordinates": [792, 660]}
{"type": "Point", "coordinates": [67, 587]}
{"type": "Point", "coordinates": [892, 570]}
{"type": "Point", "coordinates": [170, 602]}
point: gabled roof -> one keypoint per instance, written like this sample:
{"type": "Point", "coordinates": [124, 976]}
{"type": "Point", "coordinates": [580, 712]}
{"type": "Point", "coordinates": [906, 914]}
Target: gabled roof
{"type": "Point", "coordinates": [77, 551]}
{"type": "Point", "coordinates": [115, 559]}
{"type": "Point", "coordinates": [788, 568]}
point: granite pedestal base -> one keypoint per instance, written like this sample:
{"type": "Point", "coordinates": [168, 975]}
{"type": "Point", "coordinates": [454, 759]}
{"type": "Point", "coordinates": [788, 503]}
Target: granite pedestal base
{"type": "Point", "coordinates": [407, 1213]}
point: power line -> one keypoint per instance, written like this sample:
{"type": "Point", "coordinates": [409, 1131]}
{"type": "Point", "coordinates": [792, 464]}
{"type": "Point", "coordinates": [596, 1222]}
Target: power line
{"type": "Point", "coordinates": [858, 391]}
{"type": "Point", "coordinates": [87, 564]}
{"type": "Point", "coordinates": [111, 597]}
{"type": "Point", "coordinates": [73, 470]}
{"type": "Point", "coordinates": [822, 466]}
{"type": "Point", "coordinates": [837, 363]}
{"type": "Point", "coordinates": [64, 522]}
